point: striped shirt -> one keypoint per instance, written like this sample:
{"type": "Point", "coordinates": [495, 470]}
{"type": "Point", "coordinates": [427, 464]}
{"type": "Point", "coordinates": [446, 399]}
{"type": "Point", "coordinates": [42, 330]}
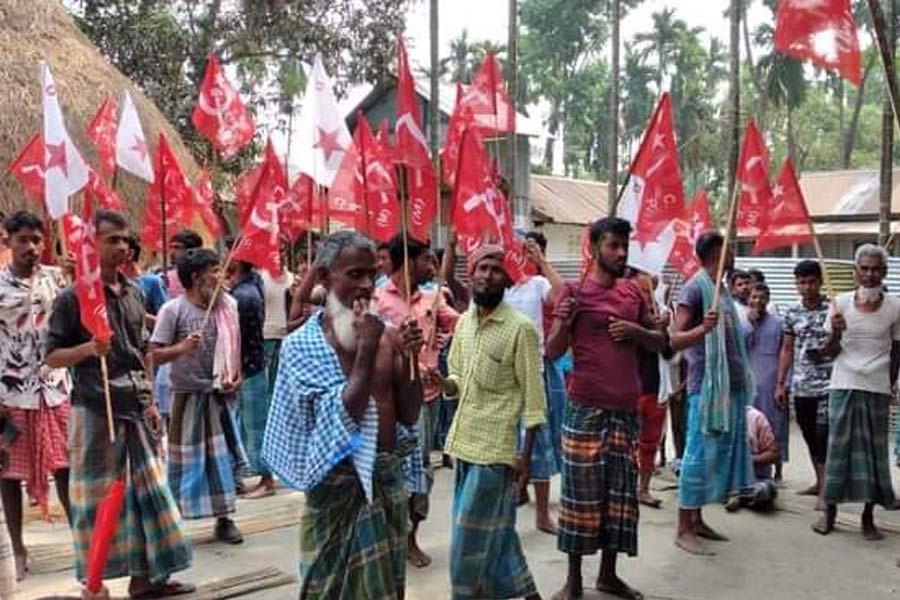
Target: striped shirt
{"type": "Point", "coordinates": [495, 364]}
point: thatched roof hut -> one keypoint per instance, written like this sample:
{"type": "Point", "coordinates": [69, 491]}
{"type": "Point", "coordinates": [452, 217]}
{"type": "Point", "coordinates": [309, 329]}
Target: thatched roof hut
{"type": "Point", "coordinates": [35, 30]}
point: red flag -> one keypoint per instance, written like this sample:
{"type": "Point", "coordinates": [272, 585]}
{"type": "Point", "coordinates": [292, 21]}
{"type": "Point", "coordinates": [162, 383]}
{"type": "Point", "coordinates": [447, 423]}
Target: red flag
{"type": "Point", "coordinates": [657, 174]}
{"type": "Point", "coordinates": [204, 198]}
{"type": "Point", "coordinates": [105, 197]}
{"type": "Point", "coordinates": [380, 218]}
{"type": "Point", "coordinates": [477, 210]}
{"type": "Point", "coordinates": [822, 31]}
{"type": "Point", "coordinates": [101, 132]}
{"type": "Point", "coordinates": [683, 257]}
{"type": "Point", "coordinates": [459, 120]}
{"type": "Point", "coordinates": [488, 99]}
{"type": "Point", "coordinates": [106, 523]}
{"type": "Point", "coordinates": [753, 176]}
{"type": "Point", "coordinates": [302, 207]}
{"type": "Point", "coordinates": [82, 241]}
{"type": "Point", "coordinates": [260, 244]}
{"type": "Point", "coordinates": [788, 222]}
{"type": "Point", "coordinates": [220, 115]}
{"type": "Point", "coordinates": [412, 151]}
{"type": "Point", "coordinates": [169, 184]}
{"type": "Point", "coordinates": [28, 168]}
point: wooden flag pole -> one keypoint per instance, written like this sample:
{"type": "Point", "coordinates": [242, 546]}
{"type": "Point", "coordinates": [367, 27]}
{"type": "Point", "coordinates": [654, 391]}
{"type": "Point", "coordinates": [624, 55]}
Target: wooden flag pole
{"type": "Point", "coordinates": [729, 226]}
{"type": "Point", "coordinates": [826, 278]}
{"type": "Point", "coordinates": [404, 226]}
{"type": "Point", "coordinates": [104, 372]}
{"type": "Point", "coordinates": [220, 285]}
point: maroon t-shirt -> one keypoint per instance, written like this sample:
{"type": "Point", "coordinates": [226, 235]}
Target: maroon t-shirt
{"type": "Point", "coordinates": [605, 372]}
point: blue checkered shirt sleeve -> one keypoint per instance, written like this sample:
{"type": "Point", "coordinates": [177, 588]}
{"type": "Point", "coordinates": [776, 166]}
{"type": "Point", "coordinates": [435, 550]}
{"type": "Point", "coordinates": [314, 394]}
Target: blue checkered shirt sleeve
{"type": "Point", "coordinates": [309, 431]}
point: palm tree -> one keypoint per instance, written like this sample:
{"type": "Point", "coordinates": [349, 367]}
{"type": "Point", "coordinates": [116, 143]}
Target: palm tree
{"type": "Point", "coordinates": [785, 87]}
{"type": "Point", "coordinates": [459, 63]}
{"type": "Point", "coordinates": [660, 41]}
{"type": "Point", "coordinates": [639, 98]}
{"type": "Point", "coordinates": [734, 93]}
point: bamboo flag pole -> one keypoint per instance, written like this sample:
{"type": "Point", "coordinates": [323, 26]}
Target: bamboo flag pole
{"type": "Point", "coordinates": [220, 285]}
{"type": "Point", "coordinates": [729, 226]}
{"type": "Point", "coordinates": [104, 372]}
{"type": "Point", "coordinates": [826, 278]}
{"type": "Point", "coordinates": [404, 226]}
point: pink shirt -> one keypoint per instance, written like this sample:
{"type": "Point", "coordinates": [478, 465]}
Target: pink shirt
{"type": "Point", "coordinates": [393, 307]}
{"type": "Point", "coordinates": [759, 431]}
{"type": "Point", "coordinates": [605, 372]}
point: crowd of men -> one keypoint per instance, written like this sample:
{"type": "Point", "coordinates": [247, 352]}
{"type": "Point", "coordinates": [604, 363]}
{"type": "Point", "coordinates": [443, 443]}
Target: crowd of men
{"type": "Point", "coordinates": [342, 380]}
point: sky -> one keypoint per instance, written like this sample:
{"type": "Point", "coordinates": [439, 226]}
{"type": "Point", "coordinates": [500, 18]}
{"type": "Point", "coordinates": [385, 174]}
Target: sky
{"type": "Point", "coordinates": [488, 19]}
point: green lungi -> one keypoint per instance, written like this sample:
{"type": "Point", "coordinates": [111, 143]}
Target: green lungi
{"type": "Point", "coordinates": [858, 467]}
{"type": "Point", "coordinates": [150, 541]}
{"type": "Point", "coordinates": [351, 549]}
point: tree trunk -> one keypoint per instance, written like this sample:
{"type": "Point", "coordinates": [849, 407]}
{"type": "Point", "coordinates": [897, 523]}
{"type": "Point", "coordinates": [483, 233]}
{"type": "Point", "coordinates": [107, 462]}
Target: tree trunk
{"type": "Point", "coordinates": [887, 128]}
{"type": "Point", "coordinates": [520, 208]}
{"type": "Point", "coordinates": [850, 138]}
{"type": "Point", "coordinates": [735, 94]}
{"type": "Point", "coordinates": [434, 107]}
{"type": "Point", "coordinates": [791, 140]}
{"type": "Point", "coordinates": [614, 113]}
{"type": "Point", "coordinates": [762, 99]}
{"type": "Point", "coordinates": [553, 131]}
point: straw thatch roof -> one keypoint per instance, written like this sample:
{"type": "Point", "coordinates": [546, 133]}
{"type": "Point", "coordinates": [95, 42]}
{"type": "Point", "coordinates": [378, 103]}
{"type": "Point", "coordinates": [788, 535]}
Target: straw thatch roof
{"type": "Point", "coordinates": [35, 30]}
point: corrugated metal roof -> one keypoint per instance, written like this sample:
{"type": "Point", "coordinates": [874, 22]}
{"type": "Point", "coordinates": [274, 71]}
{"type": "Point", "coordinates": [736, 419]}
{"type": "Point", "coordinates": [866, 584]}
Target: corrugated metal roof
{"type": "Point", "coordinates": [564, 200]}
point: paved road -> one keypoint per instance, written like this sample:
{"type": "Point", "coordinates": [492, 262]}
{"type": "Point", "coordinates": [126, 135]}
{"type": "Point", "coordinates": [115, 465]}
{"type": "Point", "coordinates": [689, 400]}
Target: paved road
{"type": "Point", "coordinates": [770, 556]}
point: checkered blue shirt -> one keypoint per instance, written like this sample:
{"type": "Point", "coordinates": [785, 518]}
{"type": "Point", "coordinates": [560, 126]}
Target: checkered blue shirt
{"type": "Point", "coordinates": [309, 431]}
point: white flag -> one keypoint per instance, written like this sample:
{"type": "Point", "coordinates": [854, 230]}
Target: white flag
{"type": "Point", "coordinates": [648, 256]}
{"type": "Point", "coordinates": [322, 137]}
{"type": "Point", "coordinates": [131, 145]}
{"type": "Point", "coordinates": [65, 172]}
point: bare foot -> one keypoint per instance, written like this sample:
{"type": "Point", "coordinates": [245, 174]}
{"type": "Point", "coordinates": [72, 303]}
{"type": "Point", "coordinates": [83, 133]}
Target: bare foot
{"type": "Point", "coordinates": [705, 531]}
{"type": "Point", "coordinates": [569, 592]}
{"type": "Point", "coordinates": [691, 544]}
{"type": "Point", "coordinates": [824, 525]}
{"type": "Point", "coordinates": [812, 490]}
{"type": "Point", "coordinates": [260, 491]}
{"type": "Point", "coordinates": [647, 499]}
{"type": "Point", "coordinates": [417, 557]}
{"type": "Point", "coordinates": [616, 587]}
{"type": "Point", "coordinates": [546, 525]}
{"type": "Point", "coordinates": [820, 504]}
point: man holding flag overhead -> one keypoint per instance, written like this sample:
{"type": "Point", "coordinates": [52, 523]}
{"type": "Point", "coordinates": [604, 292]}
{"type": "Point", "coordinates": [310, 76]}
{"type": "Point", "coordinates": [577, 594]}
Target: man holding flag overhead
{"type": "Point", "coordinates": [150, 544]}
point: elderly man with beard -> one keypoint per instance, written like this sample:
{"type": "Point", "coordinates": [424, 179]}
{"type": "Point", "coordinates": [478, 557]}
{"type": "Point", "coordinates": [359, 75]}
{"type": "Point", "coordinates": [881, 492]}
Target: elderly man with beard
{"type": "Point", "coordinates": [864, 327]}
{"type": "Point", "coordinates": [605, 320]}
{"type": "Point", "coordinates": [494, 370]}
{"type": "Point", "coordinates": [346, 391]}
{"type": "Point", "coordinates": [206, 375]}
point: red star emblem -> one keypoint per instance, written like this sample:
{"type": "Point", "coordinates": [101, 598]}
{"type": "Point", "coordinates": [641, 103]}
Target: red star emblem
{"type": "Point", "coordinates": [56, 157]}
{"type": "Point", "coordinates": [328, 142]}
{"type": "Point", "coordinates": [140, 147]}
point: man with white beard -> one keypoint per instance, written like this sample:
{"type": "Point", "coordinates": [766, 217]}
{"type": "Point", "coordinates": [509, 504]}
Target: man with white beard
{"type": "Point", "coordinates": [865, 340]}
{"type": "Point", "coordinates": [346, 389]}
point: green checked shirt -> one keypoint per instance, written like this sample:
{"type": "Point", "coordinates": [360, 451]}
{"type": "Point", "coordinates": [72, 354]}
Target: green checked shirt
{"type": "Point", "coordinates": [495, 364]}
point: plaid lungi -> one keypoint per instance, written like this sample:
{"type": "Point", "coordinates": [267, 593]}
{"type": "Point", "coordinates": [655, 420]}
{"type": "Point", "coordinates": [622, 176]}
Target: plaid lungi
{"type": "Point", "coordinates": [599, 500]}
{"type": "Point", "coordinates": [205, 452]}
{"type": "Point", "coordinates": [150, 541]}
{"type": "Point", "coordinates": [486, 558]}
{"type": "Point", "coordinates": [350, 548]}
{"type": "Point", "coordinates": [253, 412]}
{"type": "Point", "coordinates": [546, 453]}
{"type": "Point", "coordinates": [715, 465]}
{"type": "Point", "coordinates": [41, 448]}
{"type": "Point", "coordinates": [858, 467]}
{"type": "Point", "coordinates": [420, 491]}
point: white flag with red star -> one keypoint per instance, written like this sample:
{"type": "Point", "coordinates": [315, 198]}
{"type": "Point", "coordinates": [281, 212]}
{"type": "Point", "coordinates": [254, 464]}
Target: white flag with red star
{"type": "Point", "coordinates": [64, 172]}
{"type": "Point", "coordinates": [323, 139]}
{"type": "Point", "coordinates": [132, 153]}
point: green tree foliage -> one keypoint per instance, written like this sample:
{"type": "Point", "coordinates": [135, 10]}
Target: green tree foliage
{"type": "Point", "coordinates": [162, 45]}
